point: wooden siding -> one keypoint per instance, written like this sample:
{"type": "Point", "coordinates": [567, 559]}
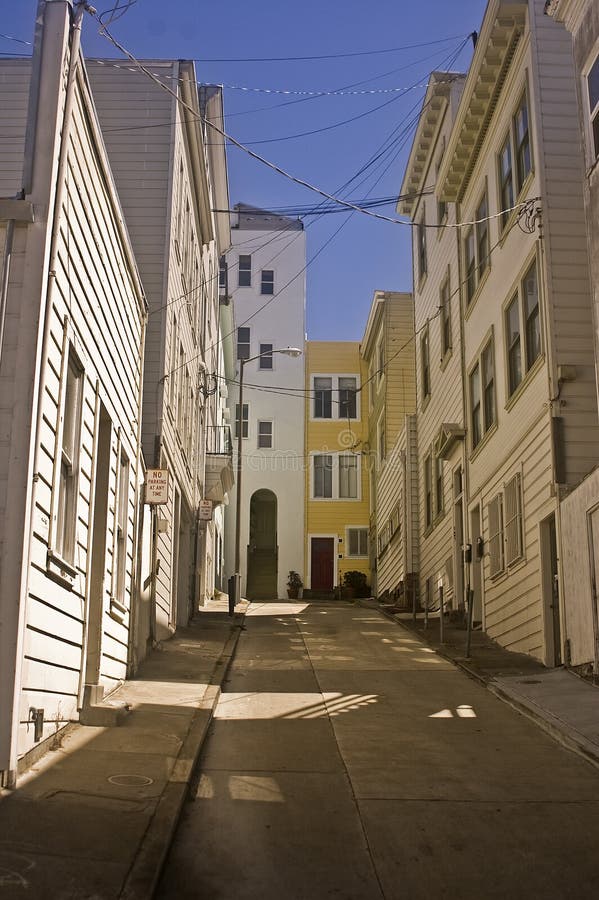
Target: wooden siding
{"type": "Point", "coordinates": [14, 91]}
{"type": "Point", "coordinates": [336, 436]}
{"type": "Point", "coordinates": [95, 301]}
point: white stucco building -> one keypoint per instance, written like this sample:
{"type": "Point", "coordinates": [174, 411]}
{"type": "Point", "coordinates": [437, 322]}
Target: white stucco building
{"type": "Point", "coordinates": [265, 271]}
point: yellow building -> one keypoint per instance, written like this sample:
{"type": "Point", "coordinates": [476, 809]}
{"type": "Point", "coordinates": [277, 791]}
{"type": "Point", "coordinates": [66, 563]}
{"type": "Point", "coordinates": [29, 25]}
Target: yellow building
{"type": "Point", "coordinates": [337, 501]}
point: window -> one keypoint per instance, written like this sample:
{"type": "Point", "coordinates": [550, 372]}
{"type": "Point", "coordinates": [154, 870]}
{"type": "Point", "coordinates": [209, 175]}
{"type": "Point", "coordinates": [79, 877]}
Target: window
{"type": "Point", "coordinates": [482, 237]}
{"type": "Point", "coordinates": [265, 360]}
{"type": "Point", "coordinates": [441, 204]}
{"type": "Point", "coordinates": [323, 476]}
{"type": "Point", "coordinates": [495, 514]}
{"type": "Point", "coordinates": [244, 421]}
{"type": "Point", "coordinates": [593, 95]}
{"type": "Point", "coordinates": [476, 249]}
{"type": "Point", "coordinates": [267, 283]}
{"type": "Point", "coordinates": [425, 364]}
{"type": "Point", "coordinates": [482, 394]}
{"type": "Point", "coordinates": [395, 519]}
{"type": "Point", "coordinates": [515, 160]}
{"type": "Point", "coordinates": [347, 397]}
{"type": "Point", "coordinates": [245, 271]}
{"type": "Point", "coordinates": [522, 143]}
{"type": "Point", "coordinates": [181, 388]}
{"type": "Point", "coordinates": [428, 492]}
{"type": "Point", "coordinates": [445, 314]}
{"type": "Point", "coordinates": [348, 477]}
{"type": "Point", "coordinates": [513, 520]}
{"type": "Point", "coordinates": [506, 185]}
{"type": "Point", "coordinates": [357, 541]}
{"type": "Point", "coordinates": [336, 476]}
{"type": "Point", "coordinates": [223, 276]}
{"type": "Point", "coordinates": [69, 462]}
{"type": "Point", "coordinates": [382, 443]}
{"type": "Point", "coordinates": [326, 387]}
{"type": "Point", "coordinates": [265, 435]}
{"type": "Point", "coordinates": [172, 374]}
{"type": "Point", "coordinates": [121, 528]}
{"type": "Point", "coordinates": [381, 360]}
{"type": "Point", "coordinates": [522, 317]}
{"type": "Point", "coordinates": [421, 247]}
{"type": "Point", "coordinates": [243, 343]}
{"type": "Point", "coordinates": [470, 264]}
{"type": "Point", "coordinates": [323, 397]}
{"type": "Point", "coordinates": [439, 493]}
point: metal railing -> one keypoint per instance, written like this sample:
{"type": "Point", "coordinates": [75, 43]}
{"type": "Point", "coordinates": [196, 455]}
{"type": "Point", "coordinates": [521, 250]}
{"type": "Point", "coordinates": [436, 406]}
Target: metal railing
{"type": "Point", "coordinates": [218, 440]}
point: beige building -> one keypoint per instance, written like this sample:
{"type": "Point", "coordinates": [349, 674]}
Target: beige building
{"type": "Point", "coordinates": [170, 180]}
{"type": "Point", "coordinates": [439, 457]}
{"type": "Point", "coordinates": [72, 330]}
{"type": "Point", "coordinates": [580, 510]}
{"type": "Point", "coordinates": [390, 391]}
{"type": "Point", "coordinates": [510, 173]}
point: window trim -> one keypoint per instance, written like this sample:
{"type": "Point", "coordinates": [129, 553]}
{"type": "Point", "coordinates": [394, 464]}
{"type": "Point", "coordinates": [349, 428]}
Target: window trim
{"type": "Point", "coordinates": [243, 343]}
{"type": "Point", "coordinates": [421, 248]}
{"type": "Point", "coordinates": [335, 396]}
{"type": "Point", "coordinates": [266, 356]}
{"type": "Point", "coordinates": [259, 435]}
{"type": "Point", "coordinates": [425, 363]}
{"type": "Point", "coordinates": [245, 422]}
{"type": "Point", "coordinates": [527, 368]}
{"type": "Point", "coordinates": [427, 493]}
{"type": "Point", "coordinates": [518, 183]}
{"type": "Point", "coordinates": [359, 529]}
{"type": "Point", "coordinates": [335, 476]}
{"type": "Point", "coordinates": [496, 538]}
{"type": "Point", "coordinates": [445, 317]}
{"type": "Point", "coordinates": [477, 363]}
{"type": "Point", "coordinates": [267, 283]}
{"type": "Point", "coordinates": [245, 270]}
{"type": "Point", "coordinates": [590, 115]}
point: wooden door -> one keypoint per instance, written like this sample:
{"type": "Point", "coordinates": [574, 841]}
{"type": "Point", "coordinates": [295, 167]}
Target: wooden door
{"type": "Point", "coordinates": [323, 564]}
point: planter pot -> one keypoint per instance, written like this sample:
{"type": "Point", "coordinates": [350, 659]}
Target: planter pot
{"type": "Point", "coordinates": [293, 593]}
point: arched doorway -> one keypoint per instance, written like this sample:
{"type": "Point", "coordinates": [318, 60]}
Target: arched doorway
{"type": "Point", "coordinates": [262, 551]}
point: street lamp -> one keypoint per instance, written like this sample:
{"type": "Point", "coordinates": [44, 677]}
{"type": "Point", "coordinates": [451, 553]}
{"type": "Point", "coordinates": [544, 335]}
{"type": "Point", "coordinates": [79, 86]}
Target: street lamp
{"type": "Point", "coordinates": [288, 351]}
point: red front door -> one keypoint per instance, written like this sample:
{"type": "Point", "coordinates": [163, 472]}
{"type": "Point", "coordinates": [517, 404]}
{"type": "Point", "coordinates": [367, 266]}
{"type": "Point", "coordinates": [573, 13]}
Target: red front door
{"type": "Point", "coordinates": [323, 559]}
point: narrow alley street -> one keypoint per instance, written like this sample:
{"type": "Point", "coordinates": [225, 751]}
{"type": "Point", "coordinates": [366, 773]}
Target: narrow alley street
{"type": "Point", "coordinates": [347, 759]}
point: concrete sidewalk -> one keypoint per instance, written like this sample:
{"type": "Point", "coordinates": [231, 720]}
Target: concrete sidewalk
{"type": "Point", "coordinates": [93, 820]}
{"type": "Point", "coordinates": [559, 701]}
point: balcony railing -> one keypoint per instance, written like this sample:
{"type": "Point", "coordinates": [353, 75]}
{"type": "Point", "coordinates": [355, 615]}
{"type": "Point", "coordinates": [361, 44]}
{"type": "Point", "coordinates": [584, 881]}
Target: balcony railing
{"type": "Point", "coordinates": [218, 440]}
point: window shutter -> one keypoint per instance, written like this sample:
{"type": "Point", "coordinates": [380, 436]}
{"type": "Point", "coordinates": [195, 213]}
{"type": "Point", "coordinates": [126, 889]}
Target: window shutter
{"type": "Point", "coordinates": [513, 520]}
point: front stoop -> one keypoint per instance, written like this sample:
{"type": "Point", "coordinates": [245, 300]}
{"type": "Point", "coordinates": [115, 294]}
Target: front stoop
{"type": "Point", "coordinates": [101, 713]}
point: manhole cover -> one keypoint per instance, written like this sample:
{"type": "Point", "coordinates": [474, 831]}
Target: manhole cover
{"type": "Point", "coordinates": [130, 780]}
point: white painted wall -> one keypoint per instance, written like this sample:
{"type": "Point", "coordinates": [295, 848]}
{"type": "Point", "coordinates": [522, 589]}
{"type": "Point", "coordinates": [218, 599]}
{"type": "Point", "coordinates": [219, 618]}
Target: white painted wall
{"type": "Point", "coordinates": [281, 323]}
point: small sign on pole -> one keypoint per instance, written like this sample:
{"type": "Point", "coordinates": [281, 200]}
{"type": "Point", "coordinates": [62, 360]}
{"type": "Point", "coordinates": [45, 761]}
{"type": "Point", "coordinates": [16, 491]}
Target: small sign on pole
{"type": "Point", "coordinates": [156, 486]}
{"type": "Point", "coordinates": [205, 511]}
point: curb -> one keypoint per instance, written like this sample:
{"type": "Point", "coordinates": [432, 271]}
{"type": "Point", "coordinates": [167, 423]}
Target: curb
{"type": "Point", "coordinates": [144, 874]}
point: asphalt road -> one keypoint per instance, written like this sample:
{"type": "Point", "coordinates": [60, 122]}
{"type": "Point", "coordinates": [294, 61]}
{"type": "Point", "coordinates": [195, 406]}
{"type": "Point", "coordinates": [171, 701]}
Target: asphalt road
{"type": "Point", "coordinates": [347, 760]}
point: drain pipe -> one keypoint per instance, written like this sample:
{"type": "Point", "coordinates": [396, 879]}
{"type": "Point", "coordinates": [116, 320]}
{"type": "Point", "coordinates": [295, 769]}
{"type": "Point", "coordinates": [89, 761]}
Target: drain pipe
{"type": "Point", "coordinates": [10, 232]}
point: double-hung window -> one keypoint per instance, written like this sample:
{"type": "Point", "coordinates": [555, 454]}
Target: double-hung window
{"type": "Point", "coordinates": [496, 553]}
{"type": "Point", "coordinates": [445, 315]}
{"type": "Point", "coordinates": [68, 483]}
{"type": "Point", "coordinates": [357, 541]}
{"type": "Point", "coordinates": [121, 528]}
{"type": "Point", "coordinates": [244, 273]}
{"type": "Point", "coordinates": [323, 397]}
{"type": "Point", "coordinates": [428, 491]}
{"type": "Point", "coordinates": [347, 397]}
{"type": "Point", "coordinates": [592, 80]}
{"type": "Point", "coordinates": [523, 329]}
{"type": "Point", "coordinates": [439, 492]}
{"type": "Point", "coordinates": [482, 394]}
{"type": "Point", "coordinates": [265, 435]}
{"type": "Point", "coordinates": [476, 248]}
{"type": "Point", "coordinates": [348, 476]}
{"type": "Point", "coordinates": [421, 247]}
{"type": "Point", "coordinates": [323, 476]}
{"type": "Point", "coordinates": [513, 520]}
{"type": "Point", "coordinates": [265, 358]}
{"type": "Point", "coordinates": [425, 364]}
{"type": "Point", "coordinates": [243, 343]}
{"type": "Point", "coordinates": [267, 281]}
{"type": "Point", "coordinates": [244, 420]}
{"type": "Point", "coordinates": [515, 160]}
{"type": "Point", "coordinates": [336, 476]}
{"type": "Point", "coordinates": [470, 264]}
{"type": "Point", "coordinates": [335, 396]}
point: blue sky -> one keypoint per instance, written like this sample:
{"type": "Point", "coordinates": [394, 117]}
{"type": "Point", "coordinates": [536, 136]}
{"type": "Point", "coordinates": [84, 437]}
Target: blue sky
{"type": "Point", "coordinates": [366, 255]}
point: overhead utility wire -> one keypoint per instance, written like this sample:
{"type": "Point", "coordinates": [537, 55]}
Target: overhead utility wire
{"type": "Point", "coordinates": [330, 55]}
{"type": "Point", "coordinates": [276, 168]}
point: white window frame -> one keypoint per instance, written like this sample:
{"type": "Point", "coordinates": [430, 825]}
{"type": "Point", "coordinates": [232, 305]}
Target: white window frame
{"type": "Point", "coordinates": [244, 270]}
{"type": "Point", "coordinates": [496, 535]}
{"type": "Point", "coordinates": [477, 365]}
{"type": "Point", "coordinates": [510, 139]}
{"type": "Point", "coordinates": [517, 296]}
{"type": "Point", "coordinates": [63, 536]}
{"type": "Point", "coordinates": [266, 283]}
{"type": "Point", "coordinates": [121, 527]}
{"type": "Point", "coordinates": [265, 357]}
{"type": "Point", "coordinates": [335, 476]}
{"type": "Point", "coordinates": [239, 343]}
{"type": "Point", "coordinates": [260, 435]}
{"type": "Point", "coordinates": [245, 421]}
{"type": "Point", "coordinates": [359, 529]}
{"type": "Point", "coordinates": [590, 115]}
{"type": "Point", "coordinates": [445, 316]}
{"type": "Point", "coordinates": [514, 518]}
{"type": "Point", "coordinates": [335, 402]}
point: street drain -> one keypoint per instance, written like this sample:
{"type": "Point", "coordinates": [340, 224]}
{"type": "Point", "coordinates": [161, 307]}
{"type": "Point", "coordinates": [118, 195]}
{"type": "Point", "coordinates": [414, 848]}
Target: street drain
{"type": "Point", "coordinates": [530, 681]}
{"type": "Point", "coordinates": [130, 780]}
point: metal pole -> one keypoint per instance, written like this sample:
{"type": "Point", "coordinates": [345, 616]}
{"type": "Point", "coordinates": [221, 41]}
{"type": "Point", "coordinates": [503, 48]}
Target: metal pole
{"type": "Point", "coordinates": [237, 575]}
{"type": "Point", "coordinates": [470, 595]}
{"type": "Point", "coordinates": [440, 613]}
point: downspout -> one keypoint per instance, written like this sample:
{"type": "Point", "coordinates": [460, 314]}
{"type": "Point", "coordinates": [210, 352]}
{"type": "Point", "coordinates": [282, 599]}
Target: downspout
{"type": "Point", "coordinates": [10, 232]}
{"type": "Point", "coordinates": [63, 156]}
{"type": "Point", "coordinates": [465, 473]}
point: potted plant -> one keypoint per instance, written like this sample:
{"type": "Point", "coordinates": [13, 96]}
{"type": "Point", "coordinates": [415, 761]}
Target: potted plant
{"type": "Point", "coordinates": [354, 584]}
{"type": "Point", "coordinates": [294, 585]}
